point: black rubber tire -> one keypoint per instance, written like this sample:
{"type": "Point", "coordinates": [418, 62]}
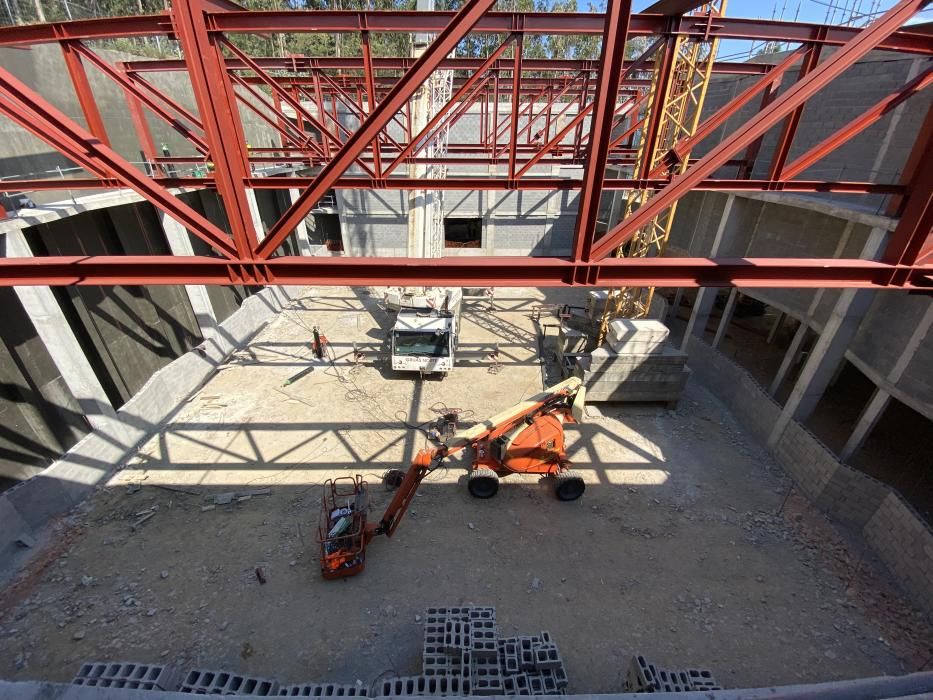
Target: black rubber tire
{"type": "Point", "coordinates": [483, 483]}
{"type": "Point", "coordinates": [569, 485]}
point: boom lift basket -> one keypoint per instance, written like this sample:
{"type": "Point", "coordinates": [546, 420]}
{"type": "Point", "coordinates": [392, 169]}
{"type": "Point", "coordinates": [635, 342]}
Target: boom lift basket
{"type": "Point", "coordinates": [342, 526]}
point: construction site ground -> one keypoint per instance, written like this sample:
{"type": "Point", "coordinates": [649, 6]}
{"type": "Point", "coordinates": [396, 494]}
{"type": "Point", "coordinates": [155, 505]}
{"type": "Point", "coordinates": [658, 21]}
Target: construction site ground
{"type": "Point", "coordinates": [687, 547]}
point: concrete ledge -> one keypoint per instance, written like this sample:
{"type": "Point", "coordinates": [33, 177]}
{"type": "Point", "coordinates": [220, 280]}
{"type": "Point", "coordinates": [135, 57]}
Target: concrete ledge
{"type": "Point", "coordinates": [896, 533]}
{"type": "Point", "coordinates": [28, 506]}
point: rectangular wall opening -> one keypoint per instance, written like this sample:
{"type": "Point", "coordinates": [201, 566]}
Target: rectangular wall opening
{"type": "Point", "coordinates": [463, 233]}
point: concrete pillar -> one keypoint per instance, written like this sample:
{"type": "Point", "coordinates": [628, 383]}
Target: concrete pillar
{"type": "Point", "coordinates": [879, 401]}
{"type": "Point", "coordinates": [180, 244]}
{"type": "Point", "coordinates": [301, 230]}
{"type": "Point", "coordinates": [866, 423]}
{"type": "Point", "coordinates": [706, 297]}
{"type": "Point", "coordinates": [726, 318]}
{"type": "Point", "coordinates": [830, 348]}
{"type": "Point", "coordinates": [254, 212]}
{"type": "Point", "coordinates": [66, 352]}
{"type": "Point", "coordinates": [675, 305]}
{"type": "Point", "coordinates": [419, 223]}
{"type": "Point", "coordinates": [790, 358]}
{"type": "Point", "coordinates": [775, 327]}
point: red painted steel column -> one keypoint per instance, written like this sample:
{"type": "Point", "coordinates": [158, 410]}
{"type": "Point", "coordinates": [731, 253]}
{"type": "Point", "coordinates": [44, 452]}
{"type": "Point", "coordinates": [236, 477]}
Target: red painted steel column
{"type": "Point", "coordinates": [516, 83]}
{"type": "Point", "coordinates": [217, 106]}
{"type": "Point", "coordinates": [607, 90]}
{"type": "Point", "coordinates": [95, 123]}
{"type": "Point", "coordinates": [908, 244]}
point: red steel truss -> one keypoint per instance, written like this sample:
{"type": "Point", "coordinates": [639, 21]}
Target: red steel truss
{"type": "Point", "coordinates": [531, 114]}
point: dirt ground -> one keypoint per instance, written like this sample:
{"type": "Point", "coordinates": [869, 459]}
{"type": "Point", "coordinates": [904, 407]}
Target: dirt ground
{"type": "Point", "coordinates": [685, 548]}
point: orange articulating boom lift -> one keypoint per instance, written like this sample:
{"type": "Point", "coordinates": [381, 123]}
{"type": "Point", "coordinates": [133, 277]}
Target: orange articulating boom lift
{"type": "Point", "coordinates": [525, 439]}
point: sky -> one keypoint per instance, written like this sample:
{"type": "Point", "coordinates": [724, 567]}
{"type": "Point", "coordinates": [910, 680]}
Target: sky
{"type": "Point", "coordinates": [810, 10]}
{"type": "Point", "coordinates": [796, 10]}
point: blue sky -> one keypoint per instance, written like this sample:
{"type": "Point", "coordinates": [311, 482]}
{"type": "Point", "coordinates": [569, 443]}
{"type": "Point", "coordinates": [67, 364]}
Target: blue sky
{"type": "Point", "coordinates": [810, 10]}
{"type": "Point", "coordinates": [800, 10]}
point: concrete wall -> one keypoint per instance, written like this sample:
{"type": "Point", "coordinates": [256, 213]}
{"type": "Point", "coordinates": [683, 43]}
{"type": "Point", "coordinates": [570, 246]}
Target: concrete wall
{"type": "Point", "coordinates": [796, 227]}
{"type": "Point", "coordinates": [27, 507]}
{"type": "Point", "coordinates": [897, 535]}
{"type": "Point", "coordinates": [877, 154]}
{"type": "Point", "coordinates": [39, 416]}
{"type": "Point", "coordinates": [42, 68]}
{"type": "Point", "coordinates": [127, 332]}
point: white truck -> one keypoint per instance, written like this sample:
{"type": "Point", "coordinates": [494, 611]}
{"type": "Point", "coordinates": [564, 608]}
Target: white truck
{"type": "Point", "coordinates": [425, 339]}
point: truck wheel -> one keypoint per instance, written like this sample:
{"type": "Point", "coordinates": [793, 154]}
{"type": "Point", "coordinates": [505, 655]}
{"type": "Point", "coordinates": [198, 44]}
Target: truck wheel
{"type": "Point", "coordinates": [569, 485]}
{"type": "Point", "coordinates": [483, 483]}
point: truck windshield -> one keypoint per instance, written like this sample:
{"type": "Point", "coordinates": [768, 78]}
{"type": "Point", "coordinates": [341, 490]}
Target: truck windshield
{"type": "Point", "coordinates": [422, 343]}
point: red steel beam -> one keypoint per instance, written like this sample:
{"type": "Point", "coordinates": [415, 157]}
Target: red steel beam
{"type": "Point", "coordinates": [458, 271]}
{"type": "Point", "coordinates": [518, 49]}
{"type": "Point", "coordinates": [857, 125]}
{"type": "Point", "coordinates": [910, 243]}
{"type": "Point", "coordinates": [714, 121]}
{"type": "Point", "coordinates": [31, 111]}
{"type": "Point", "coordinates": [529, 184]}
{"type": "Point", "coordinates": [868, 39]}
{"type": "Point", "coordinates": [128, 85]}
{"type": "Point", "coordinates": [217, 106]}
{"type": "Point", "coordinates": [442, 45]}
{"type": "Point", "coordinates": [607, 89]}
{"type": "Point", "coordinates": [419, 142]}
{"type": "Point", "coordinates": [558, 23]}
{"type": "Point", "coordinates": [432, 22]}
{"type": "Point", "coordinates": [85, 94]}
{"type": "Point", "coordinates": [558, 137]}
{"type": "Point", "coordinates": [789, 130]}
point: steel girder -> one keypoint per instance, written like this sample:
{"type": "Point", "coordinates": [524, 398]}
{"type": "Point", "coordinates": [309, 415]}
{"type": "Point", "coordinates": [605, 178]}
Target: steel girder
{"type": "Point", "coordinates": [542, 125]}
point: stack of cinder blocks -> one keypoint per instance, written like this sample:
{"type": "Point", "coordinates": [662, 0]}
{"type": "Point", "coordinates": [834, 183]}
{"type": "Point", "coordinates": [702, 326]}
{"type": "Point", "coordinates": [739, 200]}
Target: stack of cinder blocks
{"type": "Point", "coordinates": [645, 677]}
{"type": "Point", "coordinates": [635, 364]}
{"type": "Point", "coordinates": [464, 655]}
{"type": "Point", "coordinates": [127, 675]}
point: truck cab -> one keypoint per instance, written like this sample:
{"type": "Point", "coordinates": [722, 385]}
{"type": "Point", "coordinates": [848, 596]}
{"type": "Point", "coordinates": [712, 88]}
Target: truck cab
{"type": "Point", "coordinates": [425, 340]}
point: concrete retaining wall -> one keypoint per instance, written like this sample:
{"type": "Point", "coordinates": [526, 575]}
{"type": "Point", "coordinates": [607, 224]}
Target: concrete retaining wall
{"type": "Point", "coordinates": [25, 508]}
{"type": "Point", "coordinates": [896, 534]}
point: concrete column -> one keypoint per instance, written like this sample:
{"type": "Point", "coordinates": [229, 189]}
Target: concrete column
{"type": "Point", "coordinates": [254, 212]}
{"type": "Point", "coordinates": [66, 352]}
{"type": "Point", "coordinates": [180, 244]}
{"type": "Point", "coordinates": [830, 348]}
{"type": "Point", "coordinates": [790, 358]}
{"type": "Point", "coordinates": [301, 230]}
{"type": "Point", "coordinates": [675, 305]}
{"type": "Point", "coordinates": [866, 423]}
{"type": "Point", "coordinates": [706, 296]}
{"type": "Point", "coordinates": [879, 401]}
{"type": "Point", "coordinates": [726, 318]}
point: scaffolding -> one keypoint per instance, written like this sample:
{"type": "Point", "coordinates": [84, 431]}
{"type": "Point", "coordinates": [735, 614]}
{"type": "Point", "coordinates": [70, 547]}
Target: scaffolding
{"type": "Point", "coordinates": [679, 80]}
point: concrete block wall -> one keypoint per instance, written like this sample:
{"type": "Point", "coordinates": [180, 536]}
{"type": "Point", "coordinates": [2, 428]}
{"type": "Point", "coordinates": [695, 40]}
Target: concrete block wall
{"type": "Point", "coordinates": [896, 534]}
{"type": "Point", "coordinates": [27, 507]}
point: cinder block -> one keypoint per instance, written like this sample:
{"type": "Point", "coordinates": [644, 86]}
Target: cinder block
{"type": "Point", "coordinates": [526, 654]}
{"type": "Point", "coordinates": [547, 657]}
{"type": "Point", "coordinates": [508, 656]}
{"type": "Point", "coordinates": [324, 690]}
{"type": "Point", "coordinates": [457, 636]}
{"type": "Point", "coordinates": [486, 677]}
{"type": "Point", "coordinates": [559, 675]}
{"type": "Point", "coordinates": [205, 682]}
{"type": "Point", "coordinates": [127, 675]}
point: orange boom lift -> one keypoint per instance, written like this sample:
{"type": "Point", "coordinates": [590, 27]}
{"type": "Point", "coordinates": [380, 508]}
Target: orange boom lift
{"type": "Point", "coordinates": [525, 439]}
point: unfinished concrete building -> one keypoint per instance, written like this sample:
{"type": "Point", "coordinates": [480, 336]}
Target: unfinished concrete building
{"type": "Point", "coordinates": [627, 312]}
